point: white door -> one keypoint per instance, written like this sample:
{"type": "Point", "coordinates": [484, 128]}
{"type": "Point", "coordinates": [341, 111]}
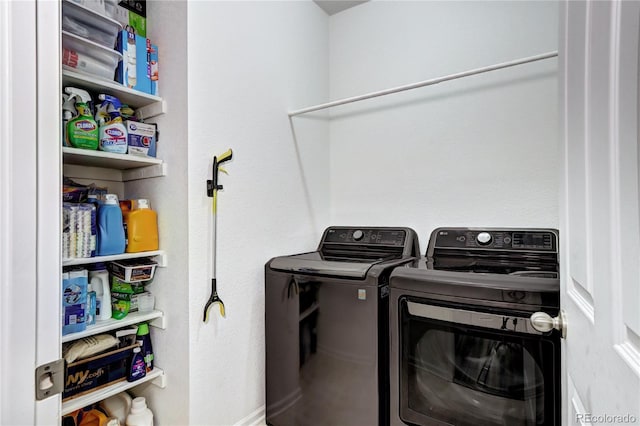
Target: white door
{"type": "Point", "coordinates": [29, 207]}
{"type": "Point", "coordinates": [600, 220]}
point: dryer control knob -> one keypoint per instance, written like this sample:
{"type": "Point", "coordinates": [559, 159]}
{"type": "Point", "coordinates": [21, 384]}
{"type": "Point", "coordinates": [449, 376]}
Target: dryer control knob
{"type": "Point", "coordinates": [357, 235]}
{"type": "Point", "coordinates": [484, 238]}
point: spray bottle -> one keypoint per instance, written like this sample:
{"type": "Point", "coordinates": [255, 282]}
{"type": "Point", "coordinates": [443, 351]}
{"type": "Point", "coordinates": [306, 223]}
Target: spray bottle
{"type": "Point", "coordinates": [82, 130]}
{"type": "Point", "coordinates": [113, 134]}
{"type": "Point", "coordinates": [68, 111]}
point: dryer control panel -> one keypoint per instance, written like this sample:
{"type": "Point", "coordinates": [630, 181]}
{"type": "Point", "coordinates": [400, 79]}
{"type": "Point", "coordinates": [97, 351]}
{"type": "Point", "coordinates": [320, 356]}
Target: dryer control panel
{"type": "Point", "coordinates": [539, 240]}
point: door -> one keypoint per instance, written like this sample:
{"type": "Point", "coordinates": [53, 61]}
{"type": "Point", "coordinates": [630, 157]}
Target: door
{"type": "Point", "coordinates": [29, 206]}
{"type": "Point", "coordinates": [600, 232]}
{"type": "Point", "coordinates": [465, 366]}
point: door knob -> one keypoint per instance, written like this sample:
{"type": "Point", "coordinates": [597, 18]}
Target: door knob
{"type": "Point", "coordinates": [543, 322]}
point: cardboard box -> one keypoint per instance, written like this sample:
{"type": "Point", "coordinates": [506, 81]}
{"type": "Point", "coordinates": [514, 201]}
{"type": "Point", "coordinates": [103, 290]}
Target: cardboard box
{"type": "Point", "coordinates": [132, 15]}
{"type": "Point", "coordinates": [96, 372]}
{"type": "Point", "coordinates": [74, 300]}
{"type": "Point", "coordinates": [139, 66]}
{"type": "Point", "coordinates": [141, 138]}
{"type": "Point", "coordinates": [133, 270]}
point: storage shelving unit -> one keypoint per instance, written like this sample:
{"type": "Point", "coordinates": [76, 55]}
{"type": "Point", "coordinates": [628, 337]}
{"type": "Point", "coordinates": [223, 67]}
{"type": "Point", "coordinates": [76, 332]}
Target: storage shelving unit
{"type": "Point", "coordinates": [119, 168]}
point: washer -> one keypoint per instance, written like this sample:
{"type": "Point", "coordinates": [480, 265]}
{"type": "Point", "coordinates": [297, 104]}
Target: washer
{"type": "Point", "coordinates": [327, 328]}
{"type": "Point", "coordinates": [466, 345]}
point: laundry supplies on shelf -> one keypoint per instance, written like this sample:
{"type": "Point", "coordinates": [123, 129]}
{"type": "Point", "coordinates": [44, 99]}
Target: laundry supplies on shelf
{"type": "Point", "coordinates": [110, 227]}
{"type": "Point", "coordinates": [74, 301]}
{"type": "Point", "coordinates": [141, 138]}
{"type": "Point", "coordinates": [142, 228]}
{"type": "Point", "coordinates": [99, 279]}
{"type": "Point", "coordinates": [79, 230]}
{"type": "Point", "coordinates": [140, 415]}
{"type": "Point", "coordinates": [144, 339]}
{"type": "Point", "coordinates": [137, 368]}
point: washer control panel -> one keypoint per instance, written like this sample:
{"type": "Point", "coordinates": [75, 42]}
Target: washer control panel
{"type": "Point", "coordinates": [499, 239]}
{"type": "Point", "coordinates": [390, 237]}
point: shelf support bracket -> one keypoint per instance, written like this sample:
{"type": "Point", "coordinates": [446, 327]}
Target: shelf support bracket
{"type": "Point", "coordinates": [144, 172]}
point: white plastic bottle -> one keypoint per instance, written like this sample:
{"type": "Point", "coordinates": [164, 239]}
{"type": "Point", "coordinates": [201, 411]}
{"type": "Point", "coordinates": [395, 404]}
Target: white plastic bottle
{"type": "Point", "coordinates": [140, 415]}
{"type": "Point", "coordinates": [100, 282]}
{"type": "Point", "coordinates": [118, 406]}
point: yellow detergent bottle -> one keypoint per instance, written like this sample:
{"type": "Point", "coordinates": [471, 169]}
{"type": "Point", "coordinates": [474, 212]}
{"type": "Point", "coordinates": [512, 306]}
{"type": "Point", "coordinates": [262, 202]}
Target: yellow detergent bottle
{"type": "Point", "coordinates": [142, 228]}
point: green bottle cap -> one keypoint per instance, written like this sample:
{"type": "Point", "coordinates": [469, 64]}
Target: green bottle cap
{"type": "Point", "coordinates": [143, 329]}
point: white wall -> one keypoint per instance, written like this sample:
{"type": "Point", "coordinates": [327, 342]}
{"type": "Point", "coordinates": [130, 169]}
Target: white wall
{"type": "Point", "coordinates": [169, 197]}
{"type": "Point", "coordinates": [481, 151]}
{"type": "Point", "coordinates": [248, 64]}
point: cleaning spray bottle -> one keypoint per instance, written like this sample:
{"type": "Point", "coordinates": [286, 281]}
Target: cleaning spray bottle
{"type": "Point", "coordinates": [68, 111]}
{"type": "Point", "coordinates": [82, 130]}
{"type": "Point", "coordinates": [113, 133]}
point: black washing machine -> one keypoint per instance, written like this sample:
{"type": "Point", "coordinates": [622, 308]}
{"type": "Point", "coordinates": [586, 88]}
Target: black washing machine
{"type": "Point", "coordinates": [327, 328]}
{"type": "Point", "coordinates": [472, 330]}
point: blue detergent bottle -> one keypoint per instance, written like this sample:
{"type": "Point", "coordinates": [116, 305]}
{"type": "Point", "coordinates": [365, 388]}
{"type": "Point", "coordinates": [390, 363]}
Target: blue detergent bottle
{"type": "Point", "coordinates": [110, 230]}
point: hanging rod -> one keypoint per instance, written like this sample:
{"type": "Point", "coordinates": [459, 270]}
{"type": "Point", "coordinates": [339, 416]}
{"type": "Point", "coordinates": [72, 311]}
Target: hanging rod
{"type": "Point", "coordinates": [424, 83]}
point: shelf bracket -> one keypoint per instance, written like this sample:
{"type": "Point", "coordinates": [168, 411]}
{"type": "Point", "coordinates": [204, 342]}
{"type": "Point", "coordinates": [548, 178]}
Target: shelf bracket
{"type": "Point", "coordinates": [151, 110]}
{"type": "Point", "coordinates": [162, 259]}
{"type": "Point", "coordinates": [144, 172]}
{"type": "Point", "coordinates": [160, 322]}
{"type": "Point", "coordinates": [160, 381]}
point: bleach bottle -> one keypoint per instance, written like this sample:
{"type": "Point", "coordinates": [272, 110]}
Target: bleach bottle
{"type": "Point", "coordinates": [110, 230]}
{"type": "Point", "coordinates": [113, 133]}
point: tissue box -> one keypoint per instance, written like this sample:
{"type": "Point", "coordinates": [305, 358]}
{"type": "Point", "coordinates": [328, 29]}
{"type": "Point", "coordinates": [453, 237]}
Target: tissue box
{"type": "Point", "coordinates": [141, 138]}
{"type": "Point", "coordinates": [138, 69]}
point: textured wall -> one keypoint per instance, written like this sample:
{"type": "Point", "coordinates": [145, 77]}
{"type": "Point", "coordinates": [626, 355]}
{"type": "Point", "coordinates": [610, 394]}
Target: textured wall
{"type": "Point", "coordinates": [249, 63]}
{"type": "Point", "coordinates": [481, 151]}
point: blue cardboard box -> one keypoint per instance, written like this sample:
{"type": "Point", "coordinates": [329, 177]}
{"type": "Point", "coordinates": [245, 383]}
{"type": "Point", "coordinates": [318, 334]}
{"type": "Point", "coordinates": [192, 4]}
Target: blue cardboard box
{"type": "Point", "coordinates": [74, 301]}
{"type": "Point", "coordinates": [139, 66]}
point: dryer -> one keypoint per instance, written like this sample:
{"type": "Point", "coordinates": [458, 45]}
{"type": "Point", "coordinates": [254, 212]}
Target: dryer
{"type": "Point", "coordinates": [326, 328]}
{"type": "Point", "coordinates": [472, 341]}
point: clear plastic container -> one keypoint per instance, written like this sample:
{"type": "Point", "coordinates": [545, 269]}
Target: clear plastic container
{"type": "Point", "coordinates": [90, 58]}
{"type": "Point", "coordinates": [84, 22]}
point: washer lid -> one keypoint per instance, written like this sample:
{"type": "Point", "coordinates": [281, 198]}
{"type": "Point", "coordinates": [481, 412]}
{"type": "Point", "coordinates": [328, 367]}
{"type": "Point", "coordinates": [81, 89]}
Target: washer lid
{"type": "Point", "coordinates": [317, 264]}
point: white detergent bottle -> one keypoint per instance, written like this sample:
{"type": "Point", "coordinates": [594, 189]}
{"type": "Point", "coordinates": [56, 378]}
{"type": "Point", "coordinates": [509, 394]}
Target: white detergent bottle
{"type": "Point", "coordinates": [140, 415]}
{"type": "Point", "coordinates": [100, 283]}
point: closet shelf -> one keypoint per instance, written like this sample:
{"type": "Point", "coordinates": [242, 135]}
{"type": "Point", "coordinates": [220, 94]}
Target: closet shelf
{"type": "Point", "coordinates": [156, 376]}
{"type": "Point", "coordinates": [133, 98]}
{"type": "Point", "coordinates": [98, 259]}
{"type": "Point", "coordinates": [114, 324]}
{"type": "Point", "coordinates": [110, 160]}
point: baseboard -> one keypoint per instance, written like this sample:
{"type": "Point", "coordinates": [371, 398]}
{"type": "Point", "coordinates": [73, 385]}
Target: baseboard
{"type": "Point", "coordinates": [257, 418]}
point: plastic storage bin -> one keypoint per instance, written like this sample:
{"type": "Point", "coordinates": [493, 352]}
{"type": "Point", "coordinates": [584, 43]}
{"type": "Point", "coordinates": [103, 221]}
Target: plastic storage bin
{"type": "Point", "coordinates": [88, 57]}
{"type": "Point", "coordinates": [133, 270]}
{"type": "Point", "coordinates": [84, 22]}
